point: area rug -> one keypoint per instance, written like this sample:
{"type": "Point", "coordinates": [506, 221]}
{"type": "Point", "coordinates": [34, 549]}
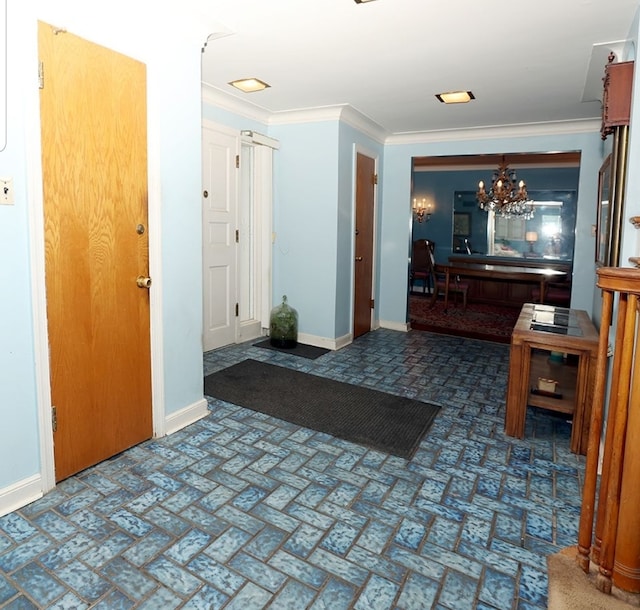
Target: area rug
{"type": "Point", "coordinates": [388, 423]}
{"type": "Point", "coordinates": [310, 352]}
{"type": "Point", "coordinates": [571, 589]}
{"type": "Point", "coordinates": [477, 321]}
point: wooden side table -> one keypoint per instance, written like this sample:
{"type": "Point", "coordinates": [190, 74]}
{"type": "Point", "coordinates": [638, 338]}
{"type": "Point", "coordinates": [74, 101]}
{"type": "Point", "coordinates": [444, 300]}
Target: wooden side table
{"type": "Point", "coordinates": [573, 339]}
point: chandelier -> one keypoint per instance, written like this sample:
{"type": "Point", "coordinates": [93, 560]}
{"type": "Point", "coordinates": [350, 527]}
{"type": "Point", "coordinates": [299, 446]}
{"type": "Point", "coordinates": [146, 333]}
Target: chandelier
{"type": "Point", "coordinates": [503, 197]}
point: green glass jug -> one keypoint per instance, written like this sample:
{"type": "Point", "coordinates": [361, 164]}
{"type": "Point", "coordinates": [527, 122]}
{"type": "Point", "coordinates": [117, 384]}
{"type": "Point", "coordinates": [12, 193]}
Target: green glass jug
{"type": "Point", "coordinates": [283, 325]}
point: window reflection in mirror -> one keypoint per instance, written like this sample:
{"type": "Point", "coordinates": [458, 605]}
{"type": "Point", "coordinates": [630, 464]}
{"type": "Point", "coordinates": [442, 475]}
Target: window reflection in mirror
{"type": "Point", "coordinates": [549, 235]}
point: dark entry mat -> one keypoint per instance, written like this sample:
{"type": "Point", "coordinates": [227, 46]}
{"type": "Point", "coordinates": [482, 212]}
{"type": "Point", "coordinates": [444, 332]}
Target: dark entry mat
{"type": "Point", "coordinates": [389, 423]}
{"type": "Point", "coordinates": [305, 351]}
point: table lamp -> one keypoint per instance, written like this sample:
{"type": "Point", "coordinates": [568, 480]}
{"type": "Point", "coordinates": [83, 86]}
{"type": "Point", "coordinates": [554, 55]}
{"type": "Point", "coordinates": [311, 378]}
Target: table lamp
{"type": "Point", "coordinates": [532, 238]}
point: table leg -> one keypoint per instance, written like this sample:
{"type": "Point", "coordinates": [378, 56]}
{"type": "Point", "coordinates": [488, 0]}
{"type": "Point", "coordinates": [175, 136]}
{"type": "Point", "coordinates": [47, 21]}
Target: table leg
{"type": "Point", "coordinates": [446, 289]}
{"type": "Point", "coordinates": [516, 387]}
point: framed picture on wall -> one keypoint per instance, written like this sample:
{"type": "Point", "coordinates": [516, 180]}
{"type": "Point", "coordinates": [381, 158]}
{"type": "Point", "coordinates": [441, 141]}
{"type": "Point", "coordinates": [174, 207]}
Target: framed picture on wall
{"type": "Point", "coordinates": [461, 224]}
{"type": "Point", "coordinates": [603, 218]}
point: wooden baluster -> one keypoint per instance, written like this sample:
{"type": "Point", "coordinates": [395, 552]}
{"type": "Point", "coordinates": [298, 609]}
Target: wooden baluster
{"type": "Point", "coordinates": [620, 389]}
{"type": "Point", "coordinates": [595, 431]}
{"type": "Point", "coordinates": [626, 567]}
{"type": "Point", "coordinates": [609, 436]}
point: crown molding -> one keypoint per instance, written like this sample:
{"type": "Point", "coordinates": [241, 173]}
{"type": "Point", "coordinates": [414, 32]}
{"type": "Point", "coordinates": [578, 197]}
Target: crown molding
{"type": "Point", "coordinates": [357, 120]}
{"type": "Point", "coordinates": [553, 128]}
{"type": "Point", "coordinates": [307, 115]}
{"type": "Point", "coordinates": [224, 101]}
{"type": "Point", "coordinates": [364, 124]}
{"type": "Point", "coordinates": [341, 112]}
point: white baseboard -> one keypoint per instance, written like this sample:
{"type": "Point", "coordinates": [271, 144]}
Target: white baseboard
{"type": "Point", "coordinates": [401, 326]}
{"type": "Point", "coordinates": [190, 414]}
{"type": "Point", "coordinates": [344, 341]}
{"type": "Point", "coordinates": [340, 342]}
{"type": "Point", "coordinates": [332, 344]}
{"type": "Point", "coordinates": [20, 494]}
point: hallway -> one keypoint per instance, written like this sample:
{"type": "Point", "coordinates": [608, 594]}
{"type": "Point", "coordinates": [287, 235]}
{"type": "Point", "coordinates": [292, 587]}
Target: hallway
{"type": "Point", "coordinates": [240, 510]}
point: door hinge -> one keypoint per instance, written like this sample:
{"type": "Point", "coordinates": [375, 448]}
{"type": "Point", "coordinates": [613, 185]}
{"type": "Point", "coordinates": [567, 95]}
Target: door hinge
{"type": "Point", "coordinates": [54, 419]}
{"type": "Point", "coordinates": [237, 161]}
{"type": "Point", "coordinates": [237, 310]}
{"type": "Point", "coordinates": [372, 303]}
{"type": "Point", "coordinates": [374, 179]}
{"type": "Point", "coordinates": [40, 75]}
{"type": "Point", "coordinates": [237, 236]}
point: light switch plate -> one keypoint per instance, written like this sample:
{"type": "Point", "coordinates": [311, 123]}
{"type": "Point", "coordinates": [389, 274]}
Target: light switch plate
{"type": "Point", "coordinates": [6, 191]}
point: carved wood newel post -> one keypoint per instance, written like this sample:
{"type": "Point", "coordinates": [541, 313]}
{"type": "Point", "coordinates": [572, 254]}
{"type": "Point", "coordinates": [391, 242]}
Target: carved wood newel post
{"type": "Point", "coordinates": [615, 546]}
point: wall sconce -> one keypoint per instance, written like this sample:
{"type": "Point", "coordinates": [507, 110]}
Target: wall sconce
{"type": "Point", "coordinates": [422, 209]}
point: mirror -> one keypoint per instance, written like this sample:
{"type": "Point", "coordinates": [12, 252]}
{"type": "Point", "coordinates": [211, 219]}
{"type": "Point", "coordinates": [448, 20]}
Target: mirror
{"type": "Point", "coordinates": [603, 220]}
{"type": "Point", "coordinates": [550, 234]}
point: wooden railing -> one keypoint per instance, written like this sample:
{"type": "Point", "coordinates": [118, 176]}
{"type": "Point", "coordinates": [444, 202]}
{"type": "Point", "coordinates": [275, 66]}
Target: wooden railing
{"type": "Point", "coordinates": [613, 542]}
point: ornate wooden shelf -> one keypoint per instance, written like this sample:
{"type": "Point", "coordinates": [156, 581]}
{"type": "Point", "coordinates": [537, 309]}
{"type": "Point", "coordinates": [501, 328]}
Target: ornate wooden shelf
{"type": "Point", "coordinates": [616, 100]}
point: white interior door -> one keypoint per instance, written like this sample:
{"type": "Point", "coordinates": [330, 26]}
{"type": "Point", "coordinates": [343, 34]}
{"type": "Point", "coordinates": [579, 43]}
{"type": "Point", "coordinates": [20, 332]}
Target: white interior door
{"type": "Point", "coordinates": [220, 155]}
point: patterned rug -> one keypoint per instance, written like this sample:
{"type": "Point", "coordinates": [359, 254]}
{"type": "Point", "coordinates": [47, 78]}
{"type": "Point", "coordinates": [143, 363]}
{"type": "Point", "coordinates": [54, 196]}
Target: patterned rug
{"type": "Point", "coordinates": [478, 321]}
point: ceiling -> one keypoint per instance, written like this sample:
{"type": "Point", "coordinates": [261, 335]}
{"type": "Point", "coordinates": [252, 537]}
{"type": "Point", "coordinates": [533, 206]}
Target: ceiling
{"type": "Point", "coordinates": [526, 62]}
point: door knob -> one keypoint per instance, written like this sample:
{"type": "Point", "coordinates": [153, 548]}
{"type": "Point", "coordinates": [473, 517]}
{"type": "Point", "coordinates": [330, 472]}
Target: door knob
{"type": "Point", "coordinates": [143, 282]}
{"type": "Point", "coordinates": [358, 258]}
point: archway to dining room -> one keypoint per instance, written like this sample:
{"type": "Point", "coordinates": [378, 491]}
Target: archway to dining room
{"type": "Point", "coordinates": [446, 213]}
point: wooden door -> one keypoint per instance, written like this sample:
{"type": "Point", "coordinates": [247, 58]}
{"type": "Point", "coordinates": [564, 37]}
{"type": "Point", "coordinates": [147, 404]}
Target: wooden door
{"type": "Point", "coordinates": [94, 164]}
{"type": "Point", "coordinates": [219, 222]}
{"type": "Point", "coordinates": [363, 297]}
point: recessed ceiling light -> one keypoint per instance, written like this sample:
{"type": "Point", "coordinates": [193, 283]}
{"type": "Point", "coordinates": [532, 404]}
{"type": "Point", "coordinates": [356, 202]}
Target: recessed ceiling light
{"type": "Point", "coordinates": [249, 85]}
{"type": "Point", "coordinates": [456, 97]}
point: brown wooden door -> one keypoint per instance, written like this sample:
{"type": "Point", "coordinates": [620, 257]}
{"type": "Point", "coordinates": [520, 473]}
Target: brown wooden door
{"type": "Point", "coordinates": [365, 185]}
{"type": "Point", "coordinates": [94, 164]}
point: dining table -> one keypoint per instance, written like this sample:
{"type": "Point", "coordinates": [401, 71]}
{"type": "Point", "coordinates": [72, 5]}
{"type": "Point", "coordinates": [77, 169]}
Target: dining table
{"type": "Point", "coordinates": [537, 275]}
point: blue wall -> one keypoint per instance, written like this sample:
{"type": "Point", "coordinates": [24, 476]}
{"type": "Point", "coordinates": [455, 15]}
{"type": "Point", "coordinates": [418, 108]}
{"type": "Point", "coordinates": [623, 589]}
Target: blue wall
{"type": "Point", "coordinates": [19, 450]}
{"type": "Point", "coordinates": [305, 222]}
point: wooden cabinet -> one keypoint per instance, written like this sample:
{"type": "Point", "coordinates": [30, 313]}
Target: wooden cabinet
{"type": "Point", "coordinates": [616, 98]}
{"type": "Point", "coordinates": [539, 331]}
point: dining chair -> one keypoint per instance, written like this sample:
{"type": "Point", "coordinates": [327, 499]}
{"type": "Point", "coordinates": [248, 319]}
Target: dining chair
{"type": "Point", "coordinates": [421, 265]}
{"type": "Point", "coordinates": [456, 285]}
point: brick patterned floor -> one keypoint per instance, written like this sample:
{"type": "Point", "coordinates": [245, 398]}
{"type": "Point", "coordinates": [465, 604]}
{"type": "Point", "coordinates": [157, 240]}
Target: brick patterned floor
{"type": "Point", "coordinates": [243, 511]}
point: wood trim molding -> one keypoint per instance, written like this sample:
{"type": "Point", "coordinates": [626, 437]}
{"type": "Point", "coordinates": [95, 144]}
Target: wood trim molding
{"type": "Point", "coordinates": [564, 159]}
